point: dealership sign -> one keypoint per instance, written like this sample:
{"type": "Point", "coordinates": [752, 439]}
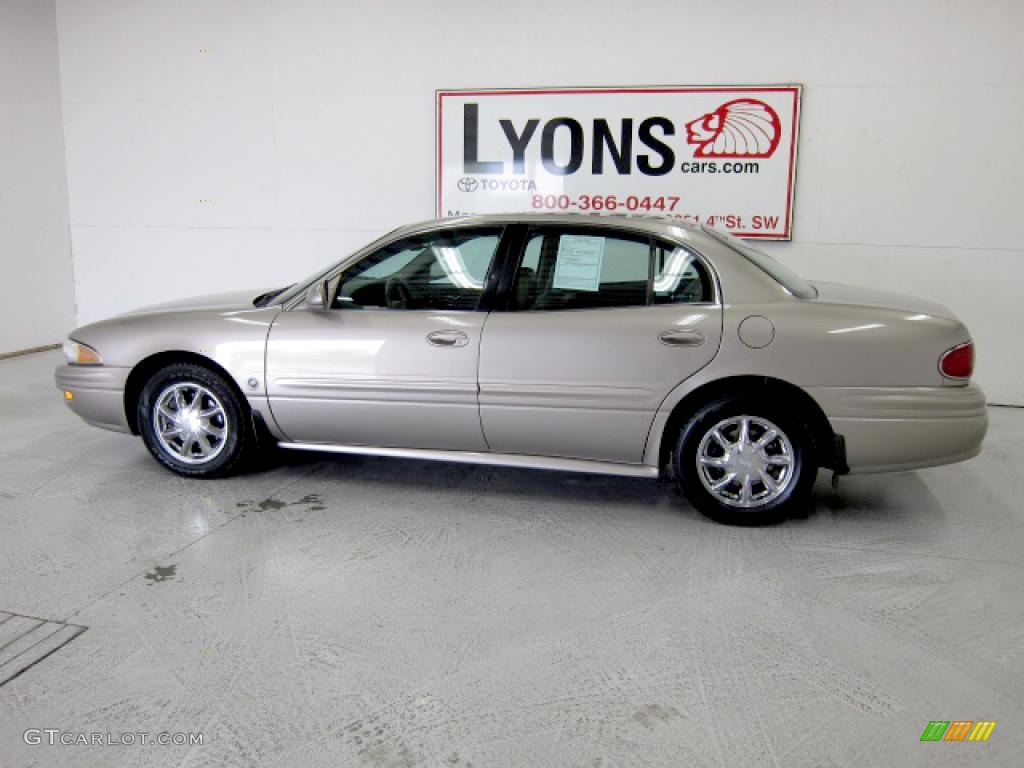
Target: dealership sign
{"type": "Point", "coordinates": [725, 156]}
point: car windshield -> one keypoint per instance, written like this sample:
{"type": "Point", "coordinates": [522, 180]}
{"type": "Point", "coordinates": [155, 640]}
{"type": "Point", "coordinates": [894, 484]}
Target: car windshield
{"type": "Point", "coordinates": [784, 276]}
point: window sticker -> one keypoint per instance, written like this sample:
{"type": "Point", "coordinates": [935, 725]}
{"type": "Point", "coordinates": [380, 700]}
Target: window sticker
{"type": "Point", "coordinates": [578, 264]}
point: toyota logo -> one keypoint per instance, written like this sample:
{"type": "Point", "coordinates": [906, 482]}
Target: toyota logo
{"type": "Point", "coordinates": [468, 184]}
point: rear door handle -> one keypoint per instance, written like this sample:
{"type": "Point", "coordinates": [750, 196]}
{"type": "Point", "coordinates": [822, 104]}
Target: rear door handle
{"type": "Point", "coordinates": [448, 339]}
{"type": "Point", "coordinates": [682, 338]}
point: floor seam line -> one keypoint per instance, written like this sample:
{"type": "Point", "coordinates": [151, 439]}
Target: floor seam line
{"type": "Point", "coordinates": [915, 554]}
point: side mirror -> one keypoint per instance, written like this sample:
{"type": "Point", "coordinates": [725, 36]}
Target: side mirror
{"type": "Point", "coordinates": [316, 296]}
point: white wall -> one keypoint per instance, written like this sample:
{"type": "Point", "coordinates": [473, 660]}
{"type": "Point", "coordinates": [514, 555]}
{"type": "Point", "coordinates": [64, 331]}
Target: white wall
{"type": "Point", "coordinates": [310, 127]}
{"type": "Point", "coordinates": [37, 307]}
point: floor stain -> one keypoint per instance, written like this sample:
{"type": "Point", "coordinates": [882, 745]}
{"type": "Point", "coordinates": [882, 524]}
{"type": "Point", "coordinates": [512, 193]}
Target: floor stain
{"type": "Point", "coordinates": [653, 714]}
{"type": "Point", "coordinates": [311, 502]}
{"type": "Point", "coordinates": [161, 573]}
{"type": "Point", "coordinates": [390, 756]}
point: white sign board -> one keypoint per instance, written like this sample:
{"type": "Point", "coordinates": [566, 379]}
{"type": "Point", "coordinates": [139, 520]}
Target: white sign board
{"type": "Point", "coordinates": [725, 156]}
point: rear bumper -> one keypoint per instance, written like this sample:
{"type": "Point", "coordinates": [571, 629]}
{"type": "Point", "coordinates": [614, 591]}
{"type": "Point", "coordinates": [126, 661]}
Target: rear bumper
{"type": "Point", "coordinates": [98, 394]}
{"type": "Point", "coordinates": [890, 429]}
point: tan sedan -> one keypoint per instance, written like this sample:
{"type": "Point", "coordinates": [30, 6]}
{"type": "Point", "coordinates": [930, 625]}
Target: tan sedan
{"type": "Point", "coordinates": [592, 344]}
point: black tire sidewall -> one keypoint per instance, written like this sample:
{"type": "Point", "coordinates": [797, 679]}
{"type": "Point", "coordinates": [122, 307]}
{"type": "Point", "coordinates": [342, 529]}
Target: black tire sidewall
{"type": "Point", "coordinates": [229, 459]}
{"type": "Point", "coordinates": [804, 464]}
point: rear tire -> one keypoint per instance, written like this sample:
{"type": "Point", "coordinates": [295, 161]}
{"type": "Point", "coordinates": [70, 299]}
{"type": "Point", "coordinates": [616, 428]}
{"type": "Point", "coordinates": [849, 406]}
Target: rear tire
{"type": "Point", "coordinates": [193, 422]}
{"type": "Point", "coordinates": [741, 462]}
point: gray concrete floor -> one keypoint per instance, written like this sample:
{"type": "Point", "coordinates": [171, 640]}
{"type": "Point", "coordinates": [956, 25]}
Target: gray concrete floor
{"type": "Point", "coordinates": [347, 611]}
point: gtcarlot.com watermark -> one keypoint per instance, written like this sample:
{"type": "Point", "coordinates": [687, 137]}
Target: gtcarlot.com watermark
{"type": "Point", "coordinates": [52, 736]}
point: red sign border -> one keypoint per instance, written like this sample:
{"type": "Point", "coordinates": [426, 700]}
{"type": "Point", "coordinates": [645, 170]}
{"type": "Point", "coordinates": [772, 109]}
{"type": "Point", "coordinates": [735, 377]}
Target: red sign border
{"type": "Point", "coordinates": [795, 88]}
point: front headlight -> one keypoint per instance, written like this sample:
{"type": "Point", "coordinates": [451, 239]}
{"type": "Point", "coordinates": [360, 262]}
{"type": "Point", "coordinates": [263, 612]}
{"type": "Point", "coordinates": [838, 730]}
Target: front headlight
{"type": "Point", "coordinates": [81, 354]}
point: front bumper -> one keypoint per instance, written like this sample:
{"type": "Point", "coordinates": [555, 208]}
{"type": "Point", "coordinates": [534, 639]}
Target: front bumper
{"type": "Point", "coordinates": [890, 429]}
{"type": "Point", "coordinates": [97, 393]}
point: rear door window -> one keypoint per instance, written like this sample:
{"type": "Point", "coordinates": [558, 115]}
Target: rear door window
{"type": "Point", "coordinates": [582, 270]}
{"type": "Point", "coordinates": [593, 269]}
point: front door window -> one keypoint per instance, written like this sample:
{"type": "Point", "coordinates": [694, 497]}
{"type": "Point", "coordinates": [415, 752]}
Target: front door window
{"type": "Point", "coordinates": [440, 271]}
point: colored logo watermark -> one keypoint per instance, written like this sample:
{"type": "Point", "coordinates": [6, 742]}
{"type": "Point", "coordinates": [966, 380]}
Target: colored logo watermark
{"type": "Point", "coordinates": [958, 730]}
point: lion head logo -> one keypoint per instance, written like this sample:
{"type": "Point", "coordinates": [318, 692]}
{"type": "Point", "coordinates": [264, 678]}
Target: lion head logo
{"type": "Point", "coordinates": [740, 128]}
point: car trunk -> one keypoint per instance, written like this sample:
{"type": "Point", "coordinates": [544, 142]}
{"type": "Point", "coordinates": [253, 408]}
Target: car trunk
{"type": "Point", "coordinates": [838, 293]}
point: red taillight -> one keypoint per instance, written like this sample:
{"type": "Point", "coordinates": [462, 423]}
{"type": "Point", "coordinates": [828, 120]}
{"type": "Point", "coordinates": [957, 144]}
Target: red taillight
{"type": "Point", "coordinates": [958, 362]}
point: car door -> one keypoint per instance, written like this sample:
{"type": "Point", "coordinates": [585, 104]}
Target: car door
{"type": "Point", "coordinates": [600, 324]}
{"type": "Point", "coordinates": [392, 361]}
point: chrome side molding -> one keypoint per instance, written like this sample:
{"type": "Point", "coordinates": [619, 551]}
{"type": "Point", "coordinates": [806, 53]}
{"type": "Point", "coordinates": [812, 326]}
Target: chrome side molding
{"type": "Point", "coordinates": [493, 459]}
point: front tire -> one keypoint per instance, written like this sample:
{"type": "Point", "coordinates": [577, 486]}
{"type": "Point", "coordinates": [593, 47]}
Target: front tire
{"type": "Point", "coordinates": [193, 423]}
{"type": "Point", "coordinates": [741, 462]}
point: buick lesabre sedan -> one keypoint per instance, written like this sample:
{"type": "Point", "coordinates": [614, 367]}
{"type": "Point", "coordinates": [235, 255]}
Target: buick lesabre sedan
{"type": "Point", "coordinates": [615, 345]}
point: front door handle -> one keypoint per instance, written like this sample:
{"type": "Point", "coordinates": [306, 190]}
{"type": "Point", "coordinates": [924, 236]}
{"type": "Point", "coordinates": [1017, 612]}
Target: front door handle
{"type": "Point", "coordinates": [448, 339]}
{"type": "Point", "coordinates": [682, 338]}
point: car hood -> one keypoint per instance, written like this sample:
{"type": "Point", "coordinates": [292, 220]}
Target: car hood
{"type": "Point", "coordinates": [217, 301]}
{"type": "Point", "coordinates": [838, 293]}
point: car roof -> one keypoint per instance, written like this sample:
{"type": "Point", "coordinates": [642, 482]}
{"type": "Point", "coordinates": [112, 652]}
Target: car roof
{"type": "Point", "coordinates": [655, 225]}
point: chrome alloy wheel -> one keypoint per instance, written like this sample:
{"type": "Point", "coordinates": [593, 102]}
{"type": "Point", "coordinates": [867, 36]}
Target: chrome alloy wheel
{"type": "Point", "coordinates": [745, 461]}
{"type": "Point", "coordinates": [190, 423]}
